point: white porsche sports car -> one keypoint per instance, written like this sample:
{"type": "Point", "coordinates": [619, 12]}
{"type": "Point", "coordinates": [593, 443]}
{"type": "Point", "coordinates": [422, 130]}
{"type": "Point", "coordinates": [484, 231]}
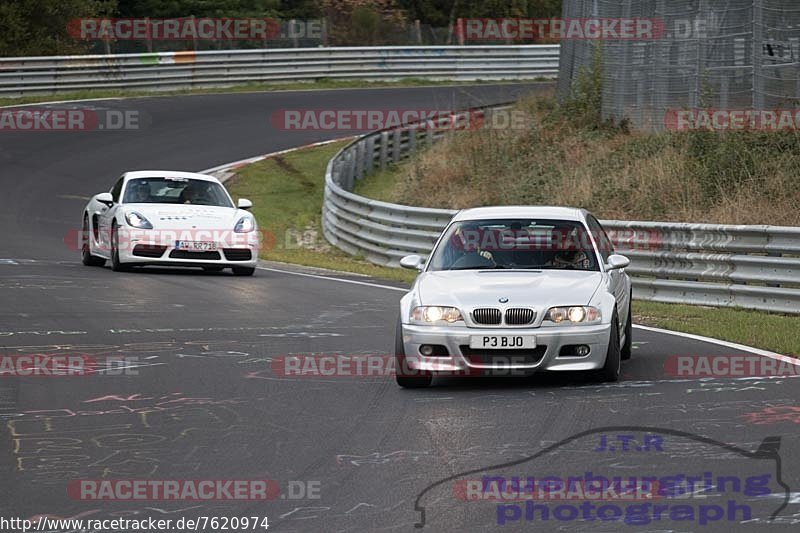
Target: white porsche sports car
{"type": "Point", "coordinates": [169, 218]}
{"type": "Point", "coordinates": [512, 291]}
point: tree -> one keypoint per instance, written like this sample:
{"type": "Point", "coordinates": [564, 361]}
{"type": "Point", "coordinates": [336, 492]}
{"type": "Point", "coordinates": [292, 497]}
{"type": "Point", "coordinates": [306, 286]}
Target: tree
{"type": "Point", "coordinates": [437, 12]}
{"type": "Point", "coordinates": [199, 8]}
{"type": "Point", "coordinates": [362, 22]}
{"type": "Point", "coordinates": [39, 27]}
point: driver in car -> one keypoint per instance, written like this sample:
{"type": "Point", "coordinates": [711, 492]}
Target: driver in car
{"type": "Point", "coordinates": [192, 194]}
{"type": "Point", "coordinates": [140, 192]}
{"type": "Point", "coordinates": [571, 259]}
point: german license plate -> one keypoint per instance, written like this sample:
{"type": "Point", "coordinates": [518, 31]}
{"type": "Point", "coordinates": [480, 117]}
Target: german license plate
{"type": "Point", "coordinates": [196, 246]}
{"type": "Point", "coordinates": [502, 342]}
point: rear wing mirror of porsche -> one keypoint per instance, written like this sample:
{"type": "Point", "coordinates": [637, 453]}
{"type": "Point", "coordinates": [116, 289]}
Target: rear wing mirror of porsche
{"type": "Point", "coordinates": [105, 198]}
{"type": "Point", "coordinates": [617, 262]}
{"type": "Point", "coordinates": [244, 203]}
{"type": "Point", "coordinates": [412, 262]}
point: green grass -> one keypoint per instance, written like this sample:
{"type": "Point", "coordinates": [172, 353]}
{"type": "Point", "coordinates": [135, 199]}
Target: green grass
{"type": "Point", "coordinates": [287, 194]}
{"type": "Point", "coordinates": [379, 186]}
{"type": "Point", "coordinates": [777, 333]}
{"type": "Point", "coordinates": [320, 84]}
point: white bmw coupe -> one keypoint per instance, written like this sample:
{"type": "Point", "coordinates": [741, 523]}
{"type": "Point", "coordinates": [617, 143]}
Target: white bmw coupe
{"type": "Point", "coordinates": [516, 290]}
{"type": "Point", "coordinates": [169, 218]}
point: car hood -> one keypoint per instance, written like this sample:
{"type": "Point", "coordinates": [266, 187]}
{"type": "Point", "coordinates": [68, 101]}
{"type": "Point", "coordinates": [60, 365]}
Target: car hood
{"type": "Point", "coordinates": [186, 216]}
{"type": "Point", "coordinates": [536, 289]}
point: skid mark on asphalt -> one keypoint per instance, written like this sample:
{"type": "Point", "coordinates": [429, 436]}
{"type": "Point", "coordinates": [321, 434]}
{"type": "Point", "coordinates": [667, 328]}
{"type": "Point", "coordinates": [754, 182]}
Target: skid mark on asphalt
{"type": "Point", "coordinates": [127, 435]}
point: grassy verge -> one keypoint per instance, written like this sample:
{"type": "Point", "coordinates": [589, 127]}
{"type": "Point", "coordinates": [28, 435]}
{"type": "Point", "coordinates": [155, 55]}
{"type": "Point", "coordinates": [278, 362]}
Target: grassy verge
{"type": "Point", "coordinates": [287, 194]}
{"type": "Point", "coordinates": [252, 87]}
{"type": "Point", "coordinates": [770, 332]}
{"type": "Point", "coordinates": [556, 156]}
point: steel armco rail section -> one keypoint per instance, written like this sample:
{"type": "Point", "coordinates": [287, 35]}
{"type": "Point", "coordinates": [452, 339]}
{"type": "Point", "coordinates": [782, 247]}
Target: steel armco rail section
{"type": "Point", "coordinates": [756, 267]}
{"type": "Point", "coordinates": [20, 76]}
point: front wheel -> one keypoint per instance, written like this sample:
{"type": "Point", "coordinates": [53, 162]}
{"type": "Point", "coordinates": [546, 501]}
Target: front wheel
{"type": "Point", "coordinates": [613, 367]}
{"type": "Point", "coordinates": [86, 251]}
{"type": "Point", "coordinates": [627, 348]}
{"type": "Point", "coordinates": [244, 271]}
{"type": "Point", "coordinates": [116, 264]}
{"type": "Point", "coordinates": [405, 377]}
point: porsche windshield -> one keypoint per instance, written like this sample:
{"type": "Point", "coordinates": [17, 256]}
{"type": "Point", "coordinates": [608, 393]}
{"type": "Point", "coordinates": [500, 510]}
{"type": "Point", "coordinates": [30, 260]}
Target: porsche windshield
{"type": "Point", "coordinates": [515, 244]}
{"type": "Point", "coordinates": [175, 191]}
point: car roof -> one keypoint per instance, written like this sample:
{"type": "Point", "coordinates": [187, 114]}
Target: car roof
{"type": "Point", "coordinates": [522, 211]}
{"type": "Point", "coordinates": [136, 174]}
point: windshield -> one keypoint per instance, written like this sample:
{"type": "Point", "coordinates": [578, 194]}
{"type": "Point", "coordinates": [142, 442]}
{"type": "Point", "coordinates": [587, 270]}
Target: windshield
{"type": "Point", "coordinates": [525, 244]}
{"type": "Point", "coordinates": [175, 191]}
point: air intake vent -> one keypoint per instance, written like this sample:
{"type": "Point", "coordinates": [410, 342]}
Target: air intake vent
{"type": "Point", "coordinates": [238, 254]}
{"type": "Point", "coordinates": [488, 317]}
{"type": "Point", "coordinates": [519, 317]}
{"type": "Point", "coordinates": [186, 254]}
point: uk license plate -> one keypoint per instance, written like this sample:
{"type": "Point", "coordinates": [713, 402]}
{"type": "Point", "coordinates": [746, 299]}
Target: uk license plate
{"type": "Point", "coordinates": [502, 342]}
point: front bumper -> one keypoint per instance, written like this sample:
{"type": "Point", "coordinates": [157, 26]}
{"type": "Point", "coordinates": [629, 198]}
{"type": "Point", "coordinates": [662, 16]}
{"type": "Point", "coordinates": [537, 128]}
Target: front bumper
{"type": "Point", "coordinates": [463, 361]}
{"type": "Point", "coordinates": [151, 248]}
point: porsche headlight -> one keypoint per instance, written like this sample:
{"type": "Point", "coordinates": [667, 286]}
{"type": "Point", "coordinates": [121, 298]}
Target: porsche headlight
{"type": "Point", "coordinates": [574, 315]}
{"type": "Point", "coordinates": [432, 315]}
{"type": "Point", "coordinates": [136, 220]}
{"type": "Point", "coordinates": [245, 225]}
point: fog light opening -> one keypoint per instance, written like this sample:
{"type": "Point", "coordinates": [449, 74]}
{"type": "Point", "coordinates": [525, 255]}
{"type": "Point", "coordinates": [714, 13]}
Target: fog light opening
{"type": "Point", "coordinates": [426, 350]}
{"type": "Point", "coordinates": [582, 350]}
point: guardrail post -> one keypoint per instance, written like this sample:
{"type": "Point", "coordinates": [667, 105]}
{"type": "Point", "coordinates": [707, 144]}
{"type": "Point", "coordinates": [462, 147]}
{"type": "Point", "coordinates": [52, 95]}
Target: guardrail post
{"type": "Point", "coordinates": [397, 145]}
{"type": "Point", "coordinates": [370, 160]}
{"type": "Point", "coordinates": [426, 139]}
{"type": "Point", "coordinates": [349, 170]}
{"type": "Point", "coordinates": [384, 149]}
{"type": "Point", "coordinates": [359, 174]}
{"type": "Point", "coordinates": [412, 140]}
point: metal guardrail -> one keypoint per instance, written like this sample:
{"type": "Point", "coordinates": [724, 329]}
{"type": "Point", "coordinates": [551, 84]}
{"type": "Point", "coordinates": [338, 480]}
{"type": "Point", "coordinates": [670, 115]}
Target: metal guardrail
{"type": "Point", "coordinates": [755, 267]}
{"type": "Point", "coordinates": [21, 76]}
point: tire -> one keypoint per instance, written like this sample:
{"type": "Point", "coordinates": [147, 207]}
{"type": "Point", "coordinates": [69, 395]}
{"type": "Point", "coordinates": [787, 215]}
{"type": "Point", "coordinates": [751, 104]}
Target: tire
{"type": "Point", "coordinates": [244, 271]}
{"type": "Point", "coordinates": [627, 349]}
{"type": "Point", "coordinates": [403, 375]}
{"type": "Point", "coordinates": [116, 264]}
{"type": "Point", "coordinates": [86, 251]}
{"type": "Point", "coordinates": [611, 370]}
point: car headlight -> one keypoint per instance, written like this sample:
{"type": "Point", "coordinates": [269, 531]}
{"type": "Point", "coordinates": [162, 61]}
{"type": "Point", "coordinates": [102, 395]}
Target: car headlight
{"type": "Point", "coordinates": [245, 225]}
{"type": "Point", "coordinates": [574, 315]}
{"type": "Point", "coordinates": [435, 315]}
{"type": "Point", "coordinates": [137, 221]}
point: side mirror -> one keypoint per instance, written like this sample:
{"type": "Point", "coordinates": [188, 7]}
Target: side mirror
{"type": "Point", "coordinates": [617, 262]}
{"type": "Point", "coordinates": [105, 198]}
{"type": "Point", "coordinates": [411, 262]}
{"type": "Point", "coordinates": [244, 203]}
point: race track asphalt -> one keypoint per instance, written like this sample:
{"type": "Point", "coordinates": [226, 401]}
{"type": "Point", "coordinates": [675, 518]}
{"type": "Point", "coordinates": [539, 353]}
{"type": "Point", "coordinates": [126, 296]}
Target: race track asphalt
{"type": "Point", "coordinates": [200, 399]}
